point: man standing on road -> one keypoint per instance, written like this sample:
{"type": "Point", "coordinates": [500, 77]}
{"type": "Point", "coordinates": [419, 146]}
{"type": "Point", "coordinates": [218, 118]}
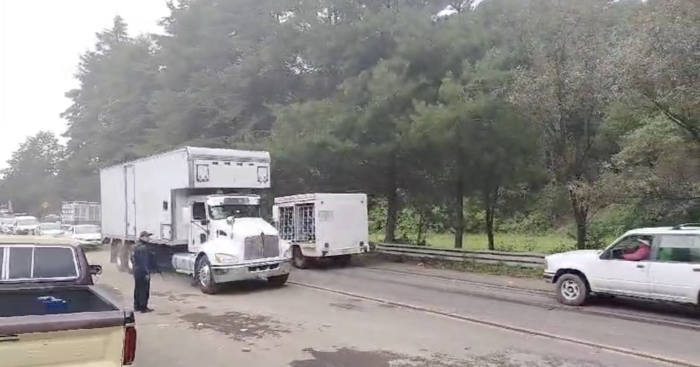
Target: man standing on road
{"type": "Point", "coordinates": [144, 263]}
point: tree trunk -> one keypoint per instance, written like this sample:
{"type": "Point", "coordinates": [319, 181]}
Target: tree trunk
{"type": "Point", "coordinates": [422, 224]}
{"type": "Point", "coordinates": [490, 201]}
{"type": "Point", "coordinates": [392, 209]}
{"type": "Point", "coordinates": [459, 208]}
{"type": "Point", "coordinates": [581, 218]}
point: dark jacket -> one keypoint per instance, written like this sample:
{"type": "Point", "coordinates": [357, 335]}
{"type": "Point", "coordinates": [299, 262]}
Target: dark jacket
{"type": "Point", "coordinates": [143, 259]}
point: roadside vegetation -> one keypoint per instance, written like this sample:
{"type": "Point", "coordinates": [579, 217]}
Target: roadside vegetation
{"type": "Point", "coordinates": [514, 125]}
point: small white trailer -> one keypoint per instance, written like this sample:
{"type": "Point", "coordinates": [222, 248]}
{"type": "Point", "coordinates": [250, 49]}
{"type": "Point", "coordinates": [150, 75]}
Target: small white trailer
{"type": "Point", "coordinates": [322, 225]}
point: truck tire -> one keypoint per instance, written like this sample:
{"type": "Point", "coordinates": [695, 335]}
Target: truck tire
{"type": "Point", "coordinates": [278, 281]}
{"type": "Point", "coordinates": [205, 278]}
{"type": "Point", "coordinates": [572, 290]}
{"type": "Point", "coordinates": [298, 259]}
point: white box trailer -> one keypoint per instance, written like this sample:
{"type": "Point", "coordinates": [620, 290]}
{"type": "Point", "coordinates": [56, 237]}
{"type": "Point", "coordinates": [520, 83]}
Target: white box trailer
{"type": "Point", "coordinates": [322, 225]}
{"type": "Point", "coordinates": [80, 212]}
{"type": "Point", "coordinates": [202, 208]}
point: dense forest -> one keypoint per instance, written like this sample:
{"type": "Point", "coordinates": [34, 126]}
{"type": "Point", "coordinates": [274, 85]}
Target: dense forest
{"type": "Point", "coordinates": [510, 116]}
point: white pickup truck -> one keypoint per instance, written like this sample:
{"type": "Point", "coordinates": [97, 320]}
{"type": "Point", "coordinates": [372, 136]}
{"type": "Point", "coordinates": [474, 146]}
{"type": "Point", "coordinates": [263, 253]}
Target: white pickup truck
{"type": "Point", "coordinates": [660, 264]}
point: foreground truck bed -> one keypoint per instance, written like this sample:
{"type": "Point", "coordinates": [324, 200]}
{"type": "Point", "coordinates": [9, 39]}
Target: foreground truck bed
{"type": "Point", "coordinates": [51, 314]}
{"type": "Point", "coordinates": [87, 331]}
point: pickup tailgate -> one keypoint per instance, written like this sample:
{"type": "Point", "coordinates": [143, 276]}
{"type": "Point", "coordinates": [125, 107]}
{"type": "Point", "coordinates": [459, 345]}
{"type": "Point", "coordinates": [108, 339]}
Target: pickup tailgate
{"type": "Point", "coordinates": [66, 340]}
{"type": "Point", "coordinates": [62, 327]}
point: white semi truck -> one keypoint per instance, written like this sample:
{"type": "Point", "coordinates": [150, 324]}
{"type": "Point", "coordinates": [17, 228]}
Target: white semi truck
{"type": "Point", "coordinates": [202, 206]}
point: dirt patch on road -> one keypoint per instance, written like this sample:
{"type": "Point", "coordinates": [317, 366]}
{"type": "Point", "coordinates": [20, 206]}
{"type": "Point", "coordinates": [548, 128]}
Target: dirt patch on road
{"type": "Point", "coordinates": [346, 306]}
{"type": "Point", "coordinates": [237, 325]}
{"type": "Point", "coordinates": [346, 357]}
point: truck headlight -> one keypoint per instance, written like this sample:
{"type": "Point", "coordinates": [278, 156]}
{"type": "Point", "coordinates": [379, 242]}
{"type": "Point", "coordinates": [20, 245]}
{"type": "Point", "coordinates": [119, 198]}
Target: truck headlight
{"type": "Point", "coordinates": [225, 259]}
{"type": "Point", "coordinates": [288, 253]}
{"type": "Point", "coordinates": [546, 265]}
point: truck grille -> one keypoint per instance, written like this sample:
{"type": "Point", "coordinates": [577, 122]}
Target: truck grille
{"type": "Point", "coordinates": [261, 247]}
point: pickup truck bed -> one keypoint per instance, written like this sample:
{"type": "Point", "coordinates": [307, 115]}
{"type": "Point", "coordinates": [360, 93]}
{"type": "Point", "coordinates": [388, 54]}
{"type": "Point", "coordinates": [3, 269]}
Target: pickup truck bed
{"type": "Point", "coordinates": [87, 332]}
{"type": "Point", "coordinates": [27, 302]}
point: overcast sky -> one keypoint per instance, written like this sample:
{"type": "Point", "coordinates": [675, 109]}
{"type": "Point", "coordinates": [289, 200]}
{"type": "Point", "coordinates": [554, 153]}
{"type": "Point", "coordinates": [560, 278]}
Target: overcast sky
{"type": "Point", "coordinates": [40, 42]}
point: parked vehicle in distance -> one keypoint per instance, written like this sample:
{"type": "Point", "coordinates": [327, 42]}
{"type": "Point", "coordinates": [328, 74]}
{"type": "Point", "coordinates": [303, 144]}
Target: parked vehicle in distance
{"type": "Point", "coordinates": [47, 295]}
{"type": "Point", "coordinates": [50, 229]}
{"type": "Point", "coordinates": [25, 225]}
{"type": "Point", "coordinates": [86, 234]}
{"type": "Point", "coordinates": [333, 226]}
{"type": "Point", "coordinates": [52, 218]}
{"type": "Point", "coordinates": [660, 264]}
{"type": "Point", "coordinates": [6, 223]}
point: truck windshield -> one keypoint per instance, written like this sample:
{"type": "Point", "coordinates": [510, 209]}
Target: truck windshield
{"type": "Point", "coordinates": [236, 211]}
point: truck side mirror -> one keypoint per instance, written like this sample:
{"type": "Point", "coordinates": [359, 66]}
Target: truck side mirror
{"type": "Point", "coordinates": [275, 214]}
{"type": "Point", "coordinates": [205, 222]}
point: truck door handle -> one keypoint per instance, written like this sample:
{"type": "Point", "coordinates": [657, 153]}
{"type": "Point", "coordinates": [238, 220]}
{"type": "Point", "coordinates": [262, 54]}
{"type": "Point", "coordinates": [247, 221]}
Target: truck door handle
{"type": "Point", "coordinates": [640, 266]}
{"type": "Point", "coordinates": [697, 270]}
{"type": "Point", "coordinates": [9, 338]}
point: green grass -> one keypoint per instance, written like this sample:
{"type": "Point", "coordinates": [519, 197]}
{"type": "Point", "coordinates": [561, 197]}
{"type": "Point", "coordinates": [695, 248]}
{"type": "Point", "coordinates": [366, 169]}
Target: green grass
{"type": "Point", "coordinates": [503, 242]}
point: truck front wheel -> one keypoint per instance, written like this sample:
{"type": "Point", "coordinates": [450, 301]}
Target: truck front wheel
{"type": "Point", "coordinates": [205, 277]}
{"type": "Point", "coordinates": [279, 280]}
{"type": "Point", "coordinates": [298, 259]}
{"type": "Point", "coordinates": [572, 290]}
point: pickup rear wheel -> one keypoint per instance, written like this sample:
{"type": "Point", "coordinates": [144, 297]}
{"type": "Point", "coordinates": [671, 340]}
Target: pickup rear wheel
{"type": "Point", "coordinates": [205, 277]}
{"type": "Point", "coordinates": [572, 290]}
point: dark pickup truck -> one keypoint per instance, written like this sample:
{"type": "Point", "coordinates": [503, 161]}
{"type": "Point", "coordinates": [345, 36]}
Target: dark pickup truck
{"type": "Point", "coordinates": [51, 314]}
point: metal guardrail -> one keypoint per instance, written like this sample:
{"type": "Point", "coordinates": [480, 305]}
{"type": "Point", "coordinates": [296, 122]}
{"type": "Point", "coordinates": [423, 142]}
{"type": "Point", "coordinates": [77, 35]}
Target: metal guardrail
{"type": "Point", "coordinates": [524, 259]}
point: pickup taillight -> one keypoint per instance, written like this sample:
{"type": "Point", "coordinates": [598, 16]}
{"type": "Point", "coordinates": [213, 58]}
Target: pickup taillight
{"type": "Point", "coordinates": [129, 352]}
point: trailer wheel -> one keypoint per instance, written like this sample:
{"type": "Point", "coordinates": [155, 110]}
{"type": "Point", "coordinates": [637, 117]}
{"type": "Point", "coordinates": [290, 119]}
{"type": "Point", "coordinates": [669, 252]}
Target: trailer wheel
{"type": "Point", "coordinates": [298, 259]}
{"type": "Point", "coordinates": [343, 260]}
{"type": "Point", "coordinates": [205, 277]}
{"type": "Point", "coordinates": [278, 281]}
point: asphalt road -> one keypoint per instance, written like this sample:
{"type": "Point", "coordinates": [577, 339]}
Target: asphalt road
{"type": "Point", "coordinates": [257, 326]}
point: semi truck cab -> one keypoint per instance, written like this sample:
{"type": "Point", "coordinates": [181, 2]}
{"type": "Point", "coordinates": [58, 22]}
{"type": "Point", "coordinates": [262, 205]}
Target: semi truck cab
{"type": "Point", "coordinates": [230, 241]}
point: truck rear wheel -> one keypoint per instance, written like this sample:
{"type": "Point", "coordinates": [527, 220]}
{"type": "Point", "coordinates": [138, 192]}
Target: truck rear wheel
{"type": "Point", "coordinates": [298, 259]}
{"type": "Point", "coordinates": [205, 277]}
{"type": "Point", "coordinates": [278, 281]}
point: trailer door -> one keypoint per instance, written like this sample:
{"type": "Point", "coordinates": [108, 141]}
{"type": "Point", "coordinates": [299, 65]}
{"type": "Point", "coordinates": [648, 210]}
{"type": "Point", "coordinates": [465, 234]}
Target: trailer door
{"type": "Point", "coordinates": [130, 197]}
